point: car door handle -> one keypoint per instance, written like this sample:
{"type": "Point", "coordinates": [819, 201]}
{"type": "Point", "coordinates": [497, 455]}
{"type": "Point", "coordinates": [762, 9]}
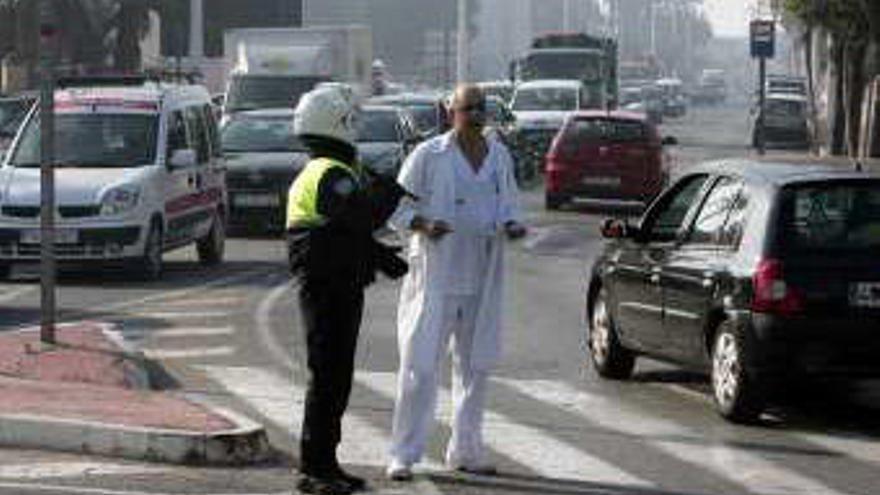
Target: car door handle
{"type": "Point", "coordinates": [655, 278]}
{"type": "Point", "coordinates": [709, 280]}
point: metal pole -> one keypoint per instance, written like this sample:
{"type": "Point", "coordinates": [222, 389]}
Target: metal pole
{"type": "Point", "coordinates": [48, 44]}
{"type": "Point", "coordinates": [196, 29]}
{"type": "Point", "coordinates": [762, 99]}
{"type": "Point", "coordinates": [566, 15]}
{"type": "Point", "coordinates": [462, 52]}
{"type": "Point", "coordinates": [652, 30]}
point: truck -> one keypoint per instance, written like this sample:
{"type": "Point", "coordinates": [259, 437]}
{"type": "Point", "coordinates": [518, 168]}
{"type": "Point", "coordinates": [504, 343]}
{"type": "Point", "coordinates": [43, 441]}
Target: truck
{"type": "Point", "coordinates": [579, 56]}
{"type": "Point", "coordinates": [273, 67]}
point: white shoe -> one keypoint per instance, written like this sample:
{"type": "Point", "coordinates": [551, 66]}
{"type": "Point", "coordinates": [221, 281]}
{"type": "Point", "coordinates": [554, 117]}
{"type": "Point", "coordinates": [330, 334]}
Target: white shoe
{"type": "Point", "coordinates": [399, 471]}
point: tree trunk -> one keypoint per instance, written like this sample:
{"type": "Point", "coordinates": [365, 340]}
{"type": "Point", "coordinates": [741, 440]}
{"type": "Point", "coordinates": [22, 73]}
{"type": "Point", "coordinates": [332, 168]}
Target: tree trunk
{"type": "Point", "coordinates": [854, 92]}
{"type": "Point", "coordinates": [836, 107]}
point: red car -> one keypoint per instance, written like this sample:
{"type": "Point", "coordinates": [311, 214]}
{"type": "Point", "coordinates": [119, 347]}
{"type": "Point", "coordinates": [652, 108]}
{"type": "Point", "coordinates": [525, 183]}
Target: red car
{"type": "Point", "coordinates": [606, 157]}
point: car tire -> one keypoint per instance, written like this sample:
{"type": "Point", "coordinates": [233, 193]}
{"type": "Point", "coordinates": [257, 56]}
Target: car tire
{"type": "Point", "coordinates": [5, 271]}
{"type": "Point", "coordinates": [738, 396]}
{"type": "Point", "coordinates": [554, 201]}
{"type": "Point", "coordinates": [151, 263]}
{"type": "Point", "coordinates": [212, 247]}
{"type": "Point", "coordinates": [610, 359]}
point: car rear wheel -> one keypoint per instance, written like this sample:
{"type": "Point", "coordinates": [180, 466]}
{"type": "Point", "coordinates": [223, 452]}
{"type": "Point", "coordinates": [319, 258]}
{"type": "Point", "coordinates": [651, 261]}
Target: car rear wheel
{"type": "Point", "coordinates": [610, 359]}
{"type": "Point", "coordinates": [738, 396]}
{"type": "Point", "coordinates": [554, 201]}
{"type": "Point", "coordinates": [212, 247]}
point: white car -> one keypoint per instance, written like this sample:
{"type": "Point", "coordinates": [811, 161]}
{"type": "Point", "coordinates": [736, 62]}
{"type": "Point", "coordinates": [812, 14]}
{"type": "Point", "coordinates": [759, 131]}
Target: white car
{"type": "Point", "coordinates": [138, 171]}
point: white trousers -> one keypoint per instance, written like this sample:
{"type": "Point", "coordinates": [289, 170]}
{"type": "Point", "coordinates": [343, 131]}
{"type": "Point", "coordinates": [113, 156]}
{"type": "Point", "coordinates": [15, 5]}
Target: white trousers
{"type": "Point", "coordinates": [414, 411]}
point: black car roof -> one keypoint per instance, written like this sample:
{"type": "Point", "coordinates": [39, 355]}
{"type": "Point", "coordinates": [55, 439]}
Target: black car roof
{"type": "Point", "coordinates": [783, 171]}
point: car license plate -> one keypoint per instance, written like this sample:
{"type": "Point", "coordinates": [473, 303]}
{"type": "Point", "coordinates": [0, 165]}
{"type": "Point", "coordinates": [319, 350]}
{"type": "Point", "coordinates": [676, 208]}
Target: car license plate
{"type": "Point", "coordinates": [62, 236]}
{"type": "Point", "coordinates": [601, 181]}
{"type": "Point", "coordinates": [256, 200]}
{"type": "Point", "coordinates": [865, 295]}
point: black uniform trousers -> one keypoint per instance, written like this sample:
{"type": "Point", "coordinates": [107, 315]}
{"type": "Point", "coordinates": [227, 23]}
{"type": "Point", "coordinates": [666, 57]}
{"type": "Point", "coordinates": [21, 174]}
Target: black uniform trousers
{"type": "Point", "coordinates": [331, 317]}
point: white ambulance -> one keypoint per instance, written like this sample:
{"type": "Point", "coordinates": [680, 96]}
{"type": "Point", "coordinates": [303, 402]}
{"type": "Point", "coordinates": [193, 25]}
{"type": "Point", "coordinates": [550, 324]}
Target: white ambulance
{"type": "Point", "coordinates": [138, 170]}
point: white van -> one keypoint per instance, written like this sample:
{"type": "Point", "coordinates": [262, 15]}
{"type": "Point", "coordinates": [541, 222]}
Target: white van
{"type": "Point", "coordinates": [138, 171]}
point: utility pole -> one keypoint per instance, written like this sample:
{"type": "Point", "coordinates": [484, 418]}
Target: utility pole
{"type": "Point", "coordinates": [462, 52]}
{"type": "Point", "coordinates": [652, 29]}
{"type": "Point", "coordinates": [49, 44]}
{"type": "Point", "coordinates": [566, 15]}
{"type": "Point", "coordinates": [196, 29]}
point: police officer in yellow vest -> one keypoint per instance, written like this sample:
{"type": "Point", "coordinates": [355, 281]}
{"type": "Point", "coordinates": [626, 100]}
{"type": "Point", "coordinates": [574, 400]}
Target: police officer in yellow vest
{"type": "Point", "coordinates": [333, 209]}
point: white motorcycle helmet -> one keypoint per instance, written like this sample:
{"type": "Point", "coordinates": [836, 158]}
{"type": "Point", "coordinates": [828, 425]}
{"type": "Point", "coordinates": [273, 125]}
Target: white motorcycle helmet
{"type": "Point", "coordinates": [328, 111]}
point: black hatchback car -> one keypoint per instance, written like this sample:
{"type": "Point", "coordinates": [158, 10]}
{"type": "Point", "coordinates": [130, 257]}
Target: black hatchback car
{"type": "Point", "coordinates": [757, 273]}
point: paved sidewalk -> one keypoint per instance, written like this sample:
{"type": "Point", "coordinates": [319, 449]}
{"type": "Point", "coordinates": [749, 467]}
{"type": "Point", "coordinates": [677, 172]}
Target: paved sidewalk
{"type": "Point", "coordinates": [87, 393]}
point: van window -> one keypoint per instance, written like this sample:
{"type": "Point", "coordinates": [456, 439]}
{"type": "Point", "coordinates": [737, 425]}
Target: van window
{"type": "Point", "coordinates": [198, 133]}
{"type": "Point", "coordinates": [213, 132]}
{"type": "Point", "coordinates": [177, 139]}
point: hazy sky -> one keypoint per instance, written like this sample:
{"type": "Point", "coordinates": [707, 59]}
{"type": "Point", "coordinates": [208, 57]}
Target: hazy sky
{"type": "Point", "coordinates": [729, 17]}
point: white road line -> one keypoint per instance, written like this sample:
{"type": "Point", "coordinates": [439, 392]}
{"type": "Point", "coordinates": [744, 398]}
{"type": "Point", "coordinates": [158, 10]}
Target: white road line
{"type": "Point", "coordinates": [741, 467]}
{"type": "Point", "coordinates": [279, 353]}
{"type": "Point", "coordinates": [42, 487]}
{"type": "Point", "coordinates": [74, 469]}
{"type": "Point", "coordinates": [15, 294]}
{"type": "Point", "coordinates": [180, 315]}
{"type": "Point", "coordinates": [195, 352]}
{"type": "Point", "coordinates": [525, 444]}
{"type": "Point", "coordinates": [207, 301]}
{"type": "Point", "coordinates": [280, 401]}
{"type": "Point", "coordinates": [190, 332]}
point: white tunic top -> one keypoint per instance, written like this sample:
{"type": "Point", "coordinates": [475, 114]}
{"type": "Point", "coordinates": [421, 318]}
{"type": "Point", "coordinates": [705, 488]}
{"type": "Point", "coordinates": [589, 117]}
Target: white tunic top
{"type": "Point", "coordinates": [474, 225]}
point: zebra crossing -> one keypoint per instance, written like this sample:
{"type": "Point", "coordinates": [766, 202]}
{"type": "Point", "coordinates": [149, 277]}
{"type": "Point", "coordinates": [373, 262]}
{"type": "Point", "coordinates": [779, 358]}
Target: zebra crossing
{"type": "Point", "coordinates": [518, 438]}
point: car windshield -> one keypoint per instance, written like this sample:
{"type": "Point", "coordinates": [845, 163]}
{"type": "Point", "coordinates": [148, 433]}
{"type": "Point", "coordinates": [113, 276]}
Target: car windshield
{"type": "Point", "coordinates": [425, 116]}
{"type": "Point", "coordinates": [260, 134]}
{"type": "Point", "coordinates": [93, 140]}
{"type": "Point", "coordinates": [377, 126]}
{"type": "Point", "coordinates": [549, 98]}
{"type": "Point", "coordinates": [11, 114]}
{"type": "Point", "coordinates": [832, 217]}
{"type": "Point", "coordinates": [256, 92]}
{"type": "Point", "coordinates": [785, 109]}
{"type": "Point", "coordinates": [611, 130]}
{"type": "Point", "coordinates": [561, 65]}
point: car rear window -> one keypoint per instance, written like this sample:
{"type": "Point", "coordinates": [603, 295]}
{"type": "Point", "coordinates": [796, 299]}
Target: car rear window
{"type": "Point", "coordinates": [613, 130]}
{"type": "Point", "coordinates": [832, 217]}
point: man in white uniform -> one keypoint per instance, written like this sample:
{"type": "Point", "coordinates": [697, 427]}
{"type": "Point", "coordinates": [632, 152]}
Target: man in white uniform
{"type": "Point", "coordinates": [467, 205]}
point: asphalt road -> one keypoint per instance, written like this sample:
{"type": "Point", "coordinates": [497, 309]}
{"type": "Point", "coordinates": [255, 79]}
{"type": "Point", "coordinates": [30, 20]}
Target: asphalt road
{"type": "Point", "coordinates": [552, 427]}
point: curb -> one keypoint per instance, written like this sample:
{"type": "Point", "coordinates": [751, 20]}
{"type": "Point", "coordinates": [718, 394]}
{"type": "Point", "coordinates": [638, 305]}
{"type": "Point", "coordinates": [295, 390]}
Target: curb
{"type": "Point", "coordinates": [245, 444]}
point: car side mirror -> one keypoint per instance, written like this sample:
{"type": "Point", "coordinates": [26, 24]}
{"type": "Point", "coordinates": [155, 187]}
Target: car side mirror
{"type": "Point", "coordinates": [669, 141]}
{"type": "Point", "coordinates": [614, 228]}
{"type": "Point", "coordinates": [182, 158]}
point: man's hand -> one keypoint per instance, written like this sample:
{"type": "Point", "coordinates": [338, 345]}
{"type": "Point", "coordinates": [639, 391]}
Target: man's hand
{"type": "Point", "coordinates": [434, 229]}
{"type": "Point", "coordinates": [515, 230]}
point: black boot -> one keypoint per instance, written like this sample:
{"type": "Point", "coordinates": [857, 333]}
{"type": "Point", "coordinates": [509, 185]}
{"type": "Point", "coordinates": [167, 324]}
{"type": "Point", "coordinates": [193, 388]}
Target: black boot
{"type": "Point", "coordinates": [319, 485]}
{"type": "Point", "coordinates": [355, 483]}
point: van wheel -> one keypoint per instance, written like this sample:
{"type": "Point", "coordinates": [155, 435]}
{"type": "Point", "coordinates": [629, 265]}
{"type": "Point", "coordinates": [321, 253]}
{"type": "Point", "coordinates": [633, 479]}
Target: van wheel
{"type": "Point", "coordinates": [212, 247]}
{"type": "Point", "coordinates": [151, 263]}
{"type": "Point", "coordinates": [610, 359]}
{"type": "Point", "coordinates": [738, 396]}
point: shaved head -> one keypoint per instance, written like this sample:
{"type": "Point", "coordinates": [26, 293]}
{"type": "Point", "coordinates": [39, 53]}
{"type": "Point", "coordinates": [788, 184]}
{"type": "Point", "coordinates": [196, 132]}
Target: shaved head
{"type": "Point", "coordinates": [466, 94]}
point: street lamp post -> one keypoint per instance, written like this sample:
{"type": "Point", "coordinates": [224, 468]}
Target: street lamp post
{"type": "Point", "coordinates": [49, 33]}
{"type": "Point", "coordinates": [462, 49]}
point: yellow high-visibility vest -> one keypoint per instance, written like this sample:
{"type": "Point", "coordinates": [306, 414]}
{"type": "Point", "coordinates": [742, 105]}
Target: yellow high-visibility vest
{"type": "Point", "coordinates": [302, 199]}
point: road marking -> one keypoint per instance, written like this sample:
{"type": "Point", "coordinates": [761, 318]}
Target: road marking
{"type": "Point", "coordinates": [753, 472]}
{"type": "Point", "coordinates": [190, 332]}
{"type": "Point", "coordinates": [207, 301]}
{"type": "Point", "coordinates": [15, 294]}
{"type": "Point", "coordinates": [42, 487]}
{"type": "Point", "coordinates": [179, 315]}
{"type": "Point", "coordinates": [73, 469]}
{"type": "Point", "coordinates": [280, 401]}
{"type": "Point", "coordinates": [263, 317]}
{"type": "Point", "coordinates": [524, 444]}
{"type": "Point", "coordinates": [196, 352]}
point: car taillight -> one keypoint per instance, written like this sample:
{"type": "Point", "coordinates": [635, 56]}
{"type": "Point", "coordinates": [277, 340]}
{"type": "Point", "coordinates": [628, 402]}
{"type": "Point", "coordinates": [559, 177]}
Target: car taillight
{"type": "Point", "coordinates": [772, 294]}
